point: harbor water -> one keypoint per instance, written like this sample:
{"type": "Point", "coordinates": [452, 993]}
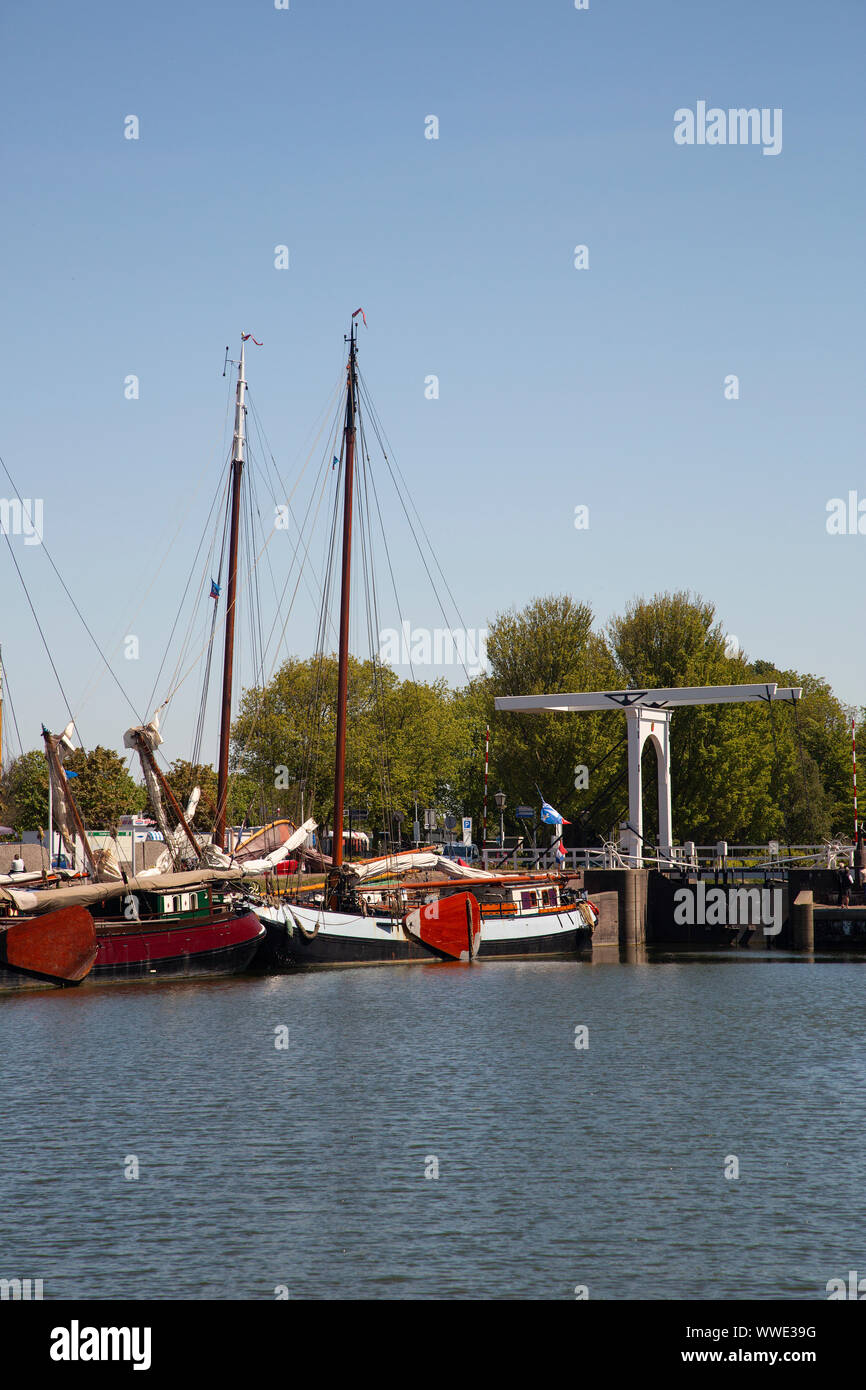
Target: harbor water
{"type": "Point", "coordinates": [686, 1127]}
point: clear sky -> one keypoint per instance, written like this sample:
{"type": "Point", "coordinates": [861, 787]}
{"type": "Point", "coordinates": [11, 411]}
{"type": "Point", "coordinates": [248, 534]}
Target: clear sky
{"type": "Point", "coordinates": [559, 387]}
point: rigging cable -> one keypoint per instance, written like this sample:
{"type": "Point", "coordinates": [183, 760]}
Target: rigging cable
{"type": "Point", "coordinates": [380, 437]}
{"type": "Point", "coordinates": [39, 628]}
{"type": "Point", "coordinates": [96, 679]}
{"type": "Point", "coordinates": [7, 696]}
{"type": "Point", "coordinates": [48, 557]}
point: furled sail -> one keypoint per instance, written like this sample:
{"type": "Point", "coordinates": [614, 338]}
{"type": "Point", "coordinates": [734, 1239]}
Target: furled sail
{"type": "Point", "coordinates": [415, 859]}
{"type": "Point", "coordinates": [149, 736]}
{"type": "Point", "coordinates": [61, 744]}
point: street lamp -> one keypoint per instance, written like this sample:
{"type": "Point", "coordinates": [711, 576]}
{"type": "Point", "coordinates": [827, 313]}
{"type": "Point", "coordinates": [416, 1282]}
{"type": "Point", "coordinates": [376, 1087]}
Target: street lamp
{"type": "Point", "coordinates": [499, 798]}
{"type": "Point", "coordinates": [416, 829]}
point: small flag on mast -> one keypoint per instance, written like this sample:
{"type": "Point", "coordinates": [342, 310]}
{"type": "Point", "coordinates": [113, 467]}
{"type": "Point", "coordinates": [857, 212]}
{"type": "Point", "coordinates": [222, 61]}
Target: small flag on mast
{"type": "Point", "coordinates": [214, 589]}
{"type": "Point", "coordinates": [245, 338]}
{"type": "Point", "coordinates": [363, 316]}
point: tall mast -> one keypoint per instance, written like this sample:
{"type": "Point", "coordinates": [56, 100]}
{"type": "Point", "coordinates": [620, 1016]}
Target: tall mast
{"type": "Point", "coordinates": [343, 676]}
{"type": "Point", "coordinates": [238, 446]}
{"type": "Point", "coordinates": [69, 806]}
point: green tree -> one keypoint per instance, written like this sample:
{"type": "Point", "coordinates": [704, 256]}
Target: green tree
{"type": "Point", "coordinates": [548, 646]}
{"type": "Point", "coordinates": [24, 793]}
{"type": "Point", "coordinates": [721, 755]}
{"type": "Point", "coordinates": [746, 773]}
{"type": "Point", "coordinates": [183, 776]}
{"type": "Point", "coordinates": [812, 758]}
{"type": "Point", "coordinates": [401, 737]}
{"type": "Point", "coordinates": [103, 788]}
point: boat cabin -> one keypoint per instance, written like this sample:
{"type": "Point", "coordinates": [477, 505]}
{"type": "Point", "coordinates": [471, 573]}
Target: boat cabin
{"type": "Point", "coordinates": [540, 899]}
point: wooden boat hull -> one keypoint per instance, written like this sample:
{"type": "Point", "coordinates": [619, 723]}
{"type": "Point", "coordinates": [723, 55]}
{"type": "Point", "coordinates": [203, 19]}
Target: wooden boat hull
{"type": "Point", "coordinates": [349, 939]}
{"type": "Point", "coordinates": [449, 927]}
{"type": "Point", "coordinates": [293, 940]}
{"type": "Point", "coordinates": [178, 950]}
{"type": "Point", "coordinates": [53, 951]}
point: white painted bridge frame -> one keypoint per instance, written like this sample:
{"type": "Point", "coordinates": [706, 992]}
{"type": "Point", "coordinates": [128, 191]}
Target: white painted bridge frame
{"type": "Point", "coordinates": [648, 714]}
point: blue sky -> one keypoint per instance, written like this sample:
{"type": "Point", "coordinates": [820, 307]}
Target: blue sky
{"type": "Point", "coordinates": [558, 387]}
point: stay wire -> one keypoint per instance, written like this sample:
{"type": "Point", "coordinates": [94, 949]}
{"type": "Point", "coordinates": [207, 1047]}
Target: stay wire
{"type": "Point", "coordinates": [410, 523]}
{"type": "Point", "coordinates": [77, 610]}
{"type": "Point", "coordinates": [39, 627]}
{"type": "Point", "coordinates": [7, 697]}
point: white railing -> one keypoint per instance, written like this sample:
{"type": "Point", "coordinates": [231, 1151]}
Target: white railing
{"type": "Point", "coordinates": [759, 858]}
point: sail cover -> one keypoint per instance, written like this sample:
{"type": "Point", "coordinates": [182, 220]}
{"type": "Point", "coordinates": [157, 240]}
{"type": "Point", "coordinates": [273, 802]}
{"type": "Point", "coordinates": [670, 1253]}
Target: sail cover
{"type": "Point", "coordinates": [149, 735]}
{"type": "Point", "coordinates": [415, 859]}
{"type": "Point", "coordinates": [60, 792]}
{"type": "Point", "coordinates": [85, 894]}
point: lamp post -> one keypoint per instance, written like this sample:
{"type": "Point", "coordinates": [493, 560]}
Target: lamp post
{"type": "Point", "coordinates": [416, 829]}
{"type": "Point", "coordinates": [499, 798]}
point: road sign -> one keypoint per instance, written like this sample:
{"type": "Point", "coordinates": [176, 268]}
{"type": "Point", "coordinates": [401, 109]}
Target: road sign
{"type": "Point", "coordinates": [524, 812]}
{"type": "Point", "coordinates": [450, 822]}
{"type": "Point", "coordinates": [467, 830]}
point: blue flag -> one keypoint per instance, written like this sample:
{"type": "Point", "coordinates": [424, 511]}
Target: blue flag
{"type": "Point", "coordinates": [550, 816]}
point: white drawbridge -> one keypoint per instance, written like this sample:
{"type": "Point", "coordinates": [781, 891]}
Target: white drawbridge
{"type": "Point", "coordinates": [648, 715]}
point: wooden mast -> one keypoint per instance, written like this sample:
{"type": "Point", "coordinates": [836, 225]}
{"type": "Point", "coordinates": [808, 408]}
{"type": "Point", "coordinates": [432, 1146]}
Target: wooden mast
{"type": "Point", "coordinates": [343, 676]}
{"type": "Point", "coordinates": [53, 758]}
{"type": "Point", "coordinates": [228, 657]}
{"type": "Point", "coordinates": [144, 751]}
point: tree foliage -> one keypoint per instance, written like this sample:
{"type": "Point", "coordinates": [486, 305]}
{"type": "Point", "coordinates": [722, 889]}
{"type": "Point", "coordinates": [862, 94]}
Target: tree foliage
{"type": "Point", "coordinates": [24, 793]}
{"type": "Point", "coordinates": [745, 773]}
{"type": "Point", "coordinates": [403, 737]}
{"type": "Point", "coordinates": [103, 788]}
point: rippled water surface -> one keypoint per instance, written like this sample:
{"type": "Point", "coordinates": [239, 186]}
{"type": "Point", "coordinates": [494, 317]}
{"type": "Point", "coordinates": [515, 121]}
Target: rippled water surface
{"type": "Point", "coordinates": [305, 1167]}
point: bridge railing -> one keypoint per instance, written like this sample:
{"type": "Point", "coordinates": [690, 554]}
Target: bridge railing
{"type": "Point", "coordinates": [761, 859]}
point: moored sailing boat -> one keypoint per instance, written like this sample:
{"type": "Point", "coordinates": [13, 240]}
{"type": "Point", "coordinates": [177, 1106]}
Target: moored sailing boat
{"type": "Point", "coordinates": [370, 912]}
{"type": "Point", "coordinates": [179, 925]}
{"type": "Point", "coordinates": [369, 918]}
{"type": "Point", "coordinates": [183, 924]}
